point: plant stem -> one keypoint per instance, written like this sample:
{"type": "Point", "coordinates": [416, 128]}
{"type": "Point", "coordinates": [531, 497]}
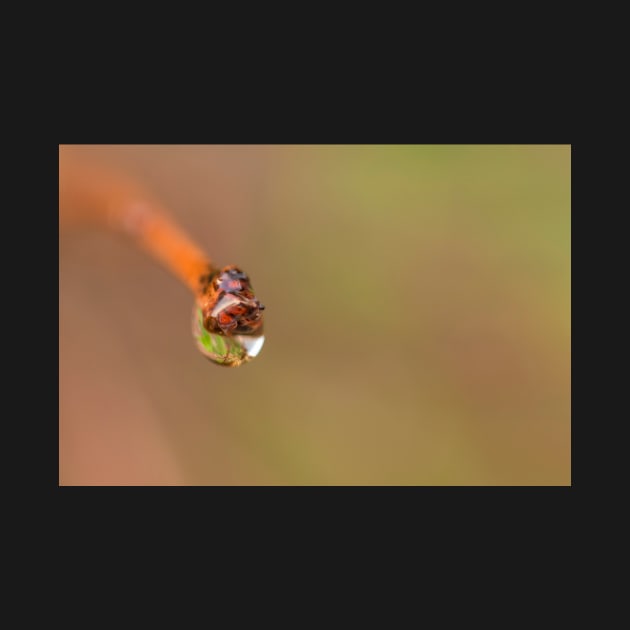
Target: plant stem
{"type": "Point", "coordinates": [92, 194]}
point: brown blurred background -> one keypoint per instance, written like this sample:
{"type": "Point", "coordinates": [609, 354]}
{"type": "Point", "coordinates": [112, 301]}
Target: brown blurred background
{"type": "Point", "coordinates": [417, 327]}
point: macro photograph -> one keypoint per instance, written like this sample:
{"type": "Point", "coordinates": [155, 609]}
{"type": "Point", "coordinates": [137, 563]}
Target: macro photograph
{"type": "Point", "coordinates": [314, 315]}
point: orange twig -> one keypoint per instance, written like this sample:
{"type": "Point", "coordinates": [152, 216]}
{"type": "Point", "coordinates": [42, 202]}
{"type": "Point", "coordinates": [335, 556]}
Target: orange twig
{"type": "Point", "coordinates": [91, 194]}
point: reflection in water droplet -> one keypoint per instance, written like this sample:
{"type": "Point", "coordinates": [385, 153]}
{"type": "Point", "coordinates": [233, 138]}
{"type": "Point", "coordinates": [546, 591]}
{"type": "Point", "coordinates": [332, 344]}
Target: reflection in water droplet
{"type": "Point", "coordinates": [227, 350]}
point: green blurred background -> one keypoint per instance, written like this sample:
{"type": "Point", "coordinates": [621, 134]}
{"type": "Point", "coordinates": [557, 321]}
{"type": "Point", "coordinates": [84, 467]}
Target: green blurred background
{"type": "Point", "coordinates": [418, 321]}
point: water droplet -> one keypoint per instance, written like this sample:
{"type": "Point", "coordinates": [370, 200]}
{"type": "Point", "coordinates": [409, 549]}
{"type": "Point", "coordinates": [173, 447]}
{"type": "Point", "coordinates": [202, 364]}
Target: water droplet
{"type": "Point", "coordinates": [227, 350]}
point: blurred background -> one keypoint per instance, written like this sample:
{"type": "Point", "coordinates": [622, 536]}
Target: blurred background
{"type": "Point", "coordinates": [418, 321]}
